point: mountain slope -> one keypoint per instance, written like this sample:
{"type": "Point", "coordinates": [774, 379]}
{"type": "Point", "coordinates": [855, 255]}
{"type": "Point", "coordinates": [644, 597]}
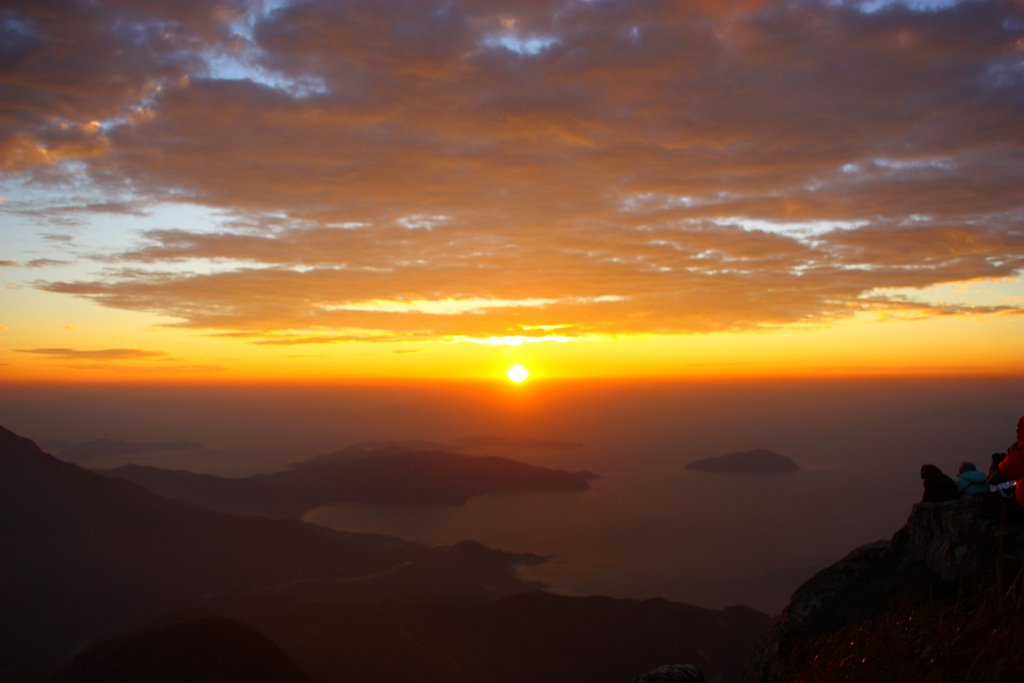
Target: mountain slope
{"type": "Point", "coordinates": [536, 637]}
{"type": "Point", "coordinates": [85, 553]}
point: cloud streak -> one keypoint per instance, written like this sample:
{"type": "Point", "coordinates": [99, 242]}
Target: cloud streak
{"type": "Point", "coordinates": [94, 354]}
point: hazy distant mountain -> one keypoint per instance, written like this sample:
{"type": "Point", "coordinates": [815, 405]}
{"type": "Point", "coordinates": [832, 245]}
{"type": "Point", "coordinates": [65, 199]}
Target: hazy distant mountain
{"type": "Point", "coordinates": [389, 477]}
{"type": "Point", "coordinates": [102, 448]}
{"type": "Point", "coordinates": [203, 649]}
{"type": "Point", "coordinates": [502, 442]}
{"type": "Point", "coordinates": [535, 637]}
{"type": "Point", "coordinates": [406, 445]}
{"type": "Point", "coordinates": [82, 553]}
{"type": "Point", "coordinates": [369, 449]}
{"type": "Point", "coordinates": [757, 461]}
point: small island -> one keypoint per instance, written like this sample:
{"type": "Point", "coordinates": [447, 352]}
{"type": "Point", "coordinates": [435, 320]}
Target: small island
{"type": "Point", "coordinates": [757, 461]}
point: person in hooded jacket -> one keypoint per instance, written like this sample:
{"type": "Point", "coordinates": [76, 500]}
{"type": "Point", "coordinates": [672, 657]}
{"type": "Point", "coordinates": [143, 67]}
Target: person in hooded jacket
{"type": "Point", "coordinates": [994, 477]}
{"type": "Point", "coordinates": [970, 481]}
{"type": "Point", "coordinates": [1012, 466]}
{"type": "Point", "coordinates": [938, 488]}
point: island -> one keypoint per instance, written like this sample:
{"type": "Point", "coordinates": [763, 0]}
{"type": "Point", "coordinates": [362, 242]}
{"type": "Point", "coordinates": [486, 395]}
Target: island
{"type": "Point", "coordinates": [391, 476]}
{"type": "Point", "coordinates": [757, 461]}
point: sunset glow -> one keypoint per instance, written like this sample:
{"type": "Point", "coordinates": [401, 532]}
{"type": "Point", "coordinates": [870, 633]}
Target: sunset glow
{"type": "Point", "coordinates": [349, 339]}
{"type": "Point", "coordinates": [301, 191]}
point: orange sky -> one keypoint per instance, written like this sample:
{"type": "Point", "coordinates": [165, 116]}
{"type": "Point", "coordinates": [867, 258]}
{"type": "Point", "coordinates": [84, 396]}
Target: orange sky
{"type": "Point", "coordinates": [232, 191]}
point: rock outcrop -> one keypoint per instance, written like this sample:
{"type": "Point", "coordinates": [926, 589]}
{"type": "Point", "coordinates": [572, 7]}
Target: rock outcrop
{"type": "Point", "coordinates": [942, 546]}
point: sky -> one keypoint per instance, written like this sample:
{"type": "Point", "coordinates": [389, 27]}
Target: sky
{"type": "Point", "coordinates": [424, 189]}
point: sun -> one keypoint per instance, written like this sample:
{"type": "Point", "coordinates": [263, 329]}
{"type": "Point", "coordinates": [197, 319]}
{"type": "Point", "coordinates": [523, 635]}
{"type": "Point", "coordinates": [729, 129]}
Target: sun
{"type": "Point", "coordinates": [517, 374]}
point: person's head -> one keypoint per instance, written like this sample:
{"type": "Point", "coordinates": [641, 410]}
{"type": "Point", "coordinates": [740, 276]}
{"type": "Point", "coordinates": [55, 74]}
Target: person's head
{"type": "Point", "coordinates": [929, 471]}
{"type": "Point", "coordinates": [966, 467]}
{"type": "Point", "coordinates": [997, 458]}
{"type": "Point", "coordinates": [1020, 430]}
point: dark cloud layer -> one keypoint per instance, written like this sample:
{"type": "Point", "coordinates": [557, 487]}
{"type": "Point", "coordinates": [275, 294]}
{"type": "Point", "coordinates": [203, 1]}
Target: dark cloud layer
{"type": "Point", "coordinates": [617, 166]}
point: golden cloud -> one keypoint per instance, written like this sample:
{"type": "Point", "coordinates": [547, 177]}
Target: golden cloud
{"type": "Point", "coordinates": [638, 167]}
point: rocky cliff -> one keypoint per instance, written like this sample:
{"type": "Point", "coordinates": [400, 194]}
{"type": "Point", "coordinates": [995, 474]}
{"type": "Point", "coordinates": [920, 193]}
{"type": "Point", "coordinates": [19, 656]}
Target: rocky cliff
{"type": "Point", "coordinates": [944, 551]}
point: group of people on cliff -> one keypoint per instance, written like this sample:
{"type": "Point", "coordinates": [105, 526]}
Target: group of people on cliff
{"type": "Point", "coordinates": [1003, 481]}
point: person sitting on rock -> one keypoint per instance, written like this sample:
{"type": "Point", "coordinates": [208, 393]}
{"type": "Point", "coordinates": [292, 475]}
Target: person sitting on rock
{"type": "Point", "coordinates": [1012, 466]}
{"type": "Point", "coordinates": [938, 488]}
{"type": "Point", "coordinates": [1000, 486]}
{"type": "Point", "coordinates": [970, 481]}
{"type": "Point", "coordinates": [994, 476]}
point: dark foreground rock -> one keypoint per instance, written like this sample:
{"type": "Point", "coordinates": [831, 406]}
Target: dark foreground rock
{"type": "Point", "coordinates": [198, 650]}
{"type": "Point", "coordinates": [942, 548]}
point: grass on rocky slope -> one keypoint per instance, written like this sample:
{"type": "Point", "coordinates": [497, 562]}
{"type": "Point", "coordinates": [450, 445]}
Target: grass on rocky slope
{"type": "Point", "coordinates": [977, 636]}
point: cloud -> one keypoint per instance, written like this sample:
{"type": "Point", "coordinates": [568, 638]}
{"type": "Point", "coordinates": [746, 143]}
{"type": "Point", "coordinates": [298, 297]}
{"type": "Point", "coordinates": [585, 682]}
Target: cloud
{"type": "Point", "coordinates": [93, 354]}
{"type": "Point", "coordinates": [448, 306]}
{"type": "Point", "coordinates": [45, 263]}
{"type": "Point", "coordinates": [669, 279]}
{"type": "Point", "coordinates": [34, 263]}
{"type": "Point", "coordinates": [174, 370]}
{"type": "Point", "coordinates": [638, 166]}
{"type": "Point", "coordinates": [70, 66]}
{"type": "Point", "coordinates": [60, 212]}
